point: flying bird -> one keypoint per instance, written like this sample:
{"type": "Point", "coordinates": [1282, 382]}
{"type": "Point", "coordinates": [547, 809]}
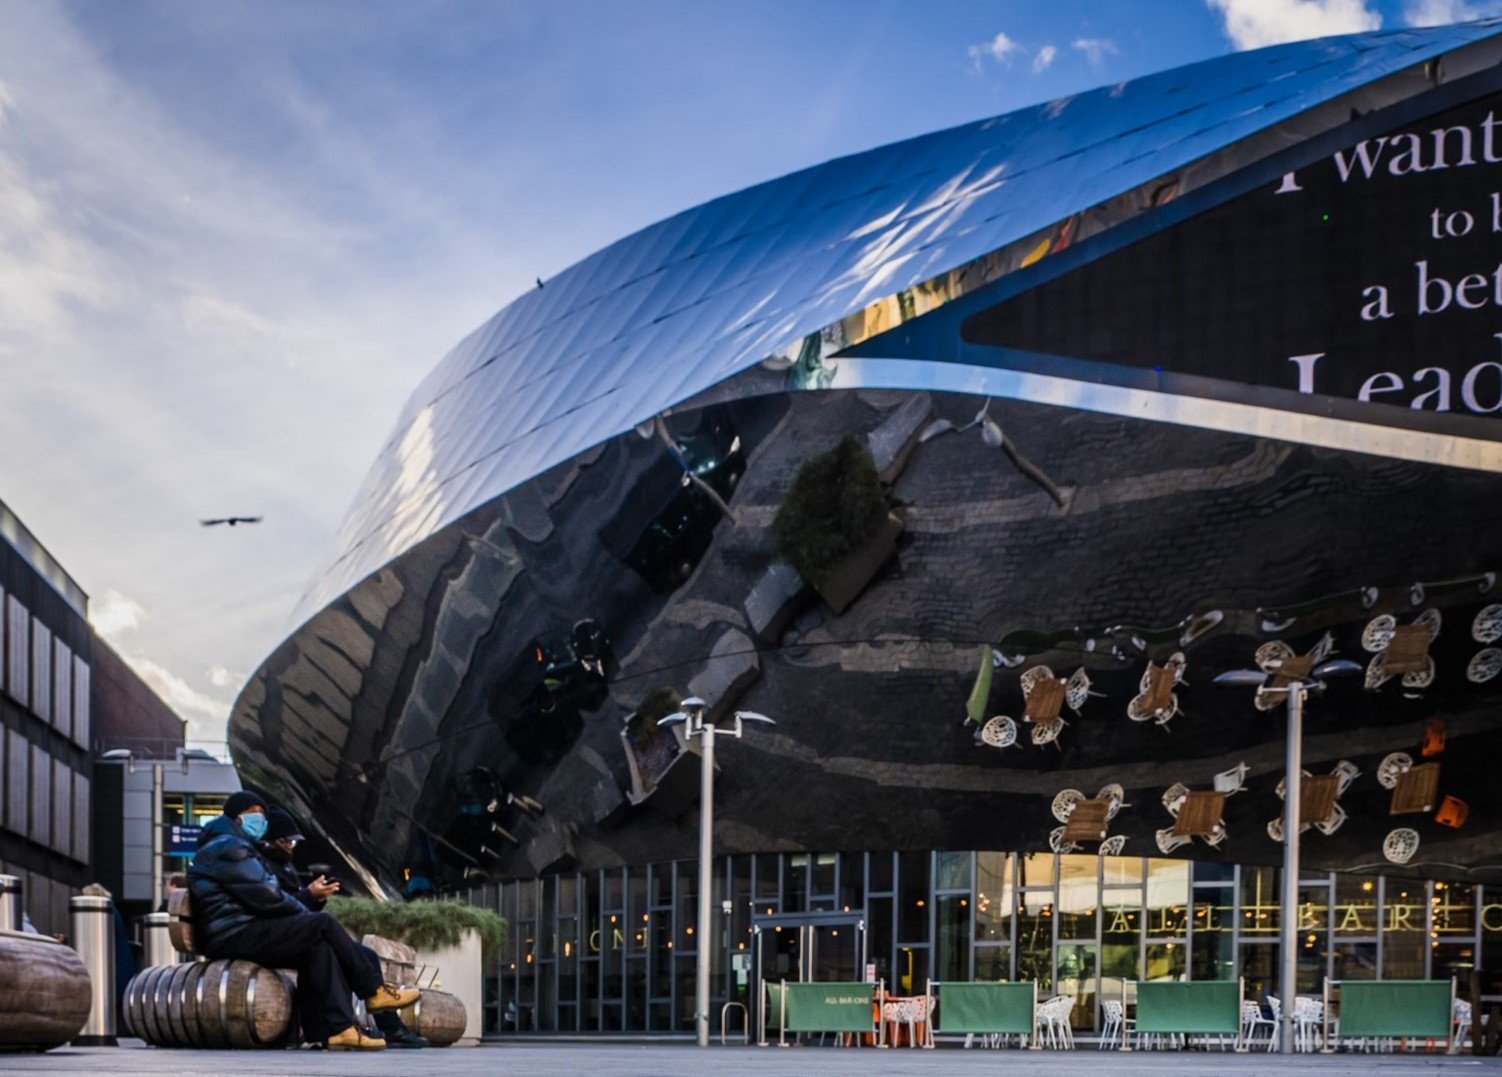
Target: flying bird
{"type": "Point", "coordinates": [539, 282]}
{"type": "Point", "coordinates": [231, 520]}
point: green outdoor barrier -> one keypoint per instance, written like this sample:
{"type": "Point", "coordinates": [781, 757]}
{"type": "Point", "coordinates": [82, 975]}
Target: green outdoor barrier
{"type": "Point", "coordinates": [985, 1008]}
{"type": "Point", "coordinates": [1395, 1008]}
{"type": "Point", "coordinates": [1212, 1006]}
{"type": "Point", "coordinates": [829, 1007]}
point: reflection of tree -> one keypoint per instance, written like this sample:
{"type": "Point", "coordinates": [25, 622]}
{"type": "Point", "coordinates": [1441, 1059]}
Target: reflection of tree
{"type": "Point", "coordinates": [1035, 949]}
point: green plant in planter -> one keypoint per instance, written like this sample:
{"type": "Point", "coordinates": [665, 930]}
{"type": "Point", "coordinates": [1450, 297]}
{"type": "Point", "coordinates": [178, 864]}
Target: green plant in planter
{"type": "Point", "coordinates": [425, 925]}
{"type": "Point", "coordinates": [658, 703]}
{"type": "Point", "coordinates": [834, 506]}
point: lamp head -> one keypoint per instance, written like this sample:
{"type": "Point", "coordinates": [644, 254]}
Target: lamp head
{"type": "Point", "coordinates": [752, 716]}
{"type": "Point", "coordinates": [1337, 667]}
{"type": "Point", "coordinates": [673, 719]}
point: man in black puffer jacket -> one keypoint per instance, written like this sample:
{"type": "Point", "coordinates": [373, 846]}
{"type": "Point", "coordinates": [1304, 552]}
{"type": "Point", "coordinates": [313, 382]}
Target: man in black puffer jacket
{"type": "Point", "coordinates": [241, 911]}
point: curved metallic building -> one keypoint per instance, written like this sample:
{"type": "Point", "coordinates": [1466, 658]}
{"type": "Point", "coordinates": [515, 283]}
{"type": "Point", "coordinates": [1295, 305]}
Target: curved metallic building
{"type": "Point", "coordinates": [1234, 380]}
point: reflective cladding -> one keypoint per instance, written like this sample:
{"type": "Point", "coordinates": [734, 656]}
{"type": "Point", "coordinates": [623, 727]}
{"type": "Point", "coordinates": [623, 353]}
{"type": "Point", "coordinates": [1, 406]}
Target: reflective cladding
{"type": "Point", "coordinates": [676, 308]}
{"type": "Point", "coordinates": [486, 704]}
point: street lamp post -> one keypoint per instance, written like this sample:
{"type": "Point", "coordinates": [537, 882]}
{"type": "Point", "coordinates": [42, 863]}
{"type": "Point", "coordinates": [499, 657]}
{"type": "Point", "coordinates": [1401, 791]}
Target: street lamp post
{"type": "Point", "coordinates": [1293, 786]}
{"type": "Point", "coordinates": [1293, 775]}
{"type": "Point", "coordinates": [691, 712]}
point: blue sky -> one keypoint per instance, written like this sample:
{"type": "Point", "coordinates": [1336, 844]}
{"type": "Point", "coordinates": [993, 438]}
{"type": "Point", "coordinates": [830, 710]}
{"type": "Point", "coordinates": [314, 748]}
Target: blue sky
{"type": "Point", "coordinates": [237, 234]}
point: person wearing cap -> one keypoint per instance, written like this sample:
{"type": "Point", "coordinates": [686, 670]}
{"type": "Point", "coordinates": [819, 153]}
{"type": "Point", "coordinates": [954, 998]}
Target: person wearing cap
{"type": "Point", "coordinates": [278, 849]}
{"type": "Point", "coordinates": [241, 911]}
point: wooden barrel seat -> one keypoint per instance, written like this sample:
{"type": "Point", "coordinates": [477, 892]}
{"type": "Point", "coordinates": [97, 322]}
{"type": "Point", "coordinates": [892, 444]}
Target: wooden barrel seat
{"type": "Point", "coordinates": [438, 1015]}
{"type": "Point", "coordinates": [215, 1004]}
{"type": "Point", "coordinates": [45, 994]}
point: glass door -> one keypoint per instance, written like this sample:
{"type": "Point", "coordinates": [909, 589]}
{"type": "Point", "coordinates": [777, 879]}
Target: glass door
{"type": "Point", "coordinates": [807, 948]}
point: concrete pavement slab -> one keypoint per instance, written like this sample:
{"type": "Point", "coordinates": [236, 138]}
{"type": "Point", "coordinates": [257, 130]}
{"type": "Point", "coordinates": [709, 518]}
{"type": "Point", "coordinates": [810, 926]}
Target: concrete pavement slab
{"type": "Point", "coordinates": [678, 1060]}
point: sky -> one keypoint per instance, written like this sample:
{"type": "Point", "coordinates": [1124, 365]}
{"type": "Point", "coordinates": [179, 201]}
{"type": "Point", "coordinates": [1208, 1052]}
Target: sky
{"type": "Point", "coordinates": [234, 236]}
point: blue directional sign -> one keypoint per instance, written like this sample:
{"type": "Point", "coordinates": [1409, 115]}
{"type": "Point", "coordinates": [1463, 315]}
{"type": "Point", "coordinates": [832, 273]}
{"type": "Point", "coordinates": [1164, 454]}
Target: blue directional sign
{"type": "Point", "coordinates": [182, 839]}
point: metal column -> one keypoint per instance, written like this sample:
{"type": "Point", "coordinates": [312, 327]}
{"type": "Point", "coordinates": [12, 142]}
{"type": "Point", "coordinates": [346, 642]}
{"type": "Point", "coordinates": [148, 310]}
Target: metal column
{"type": "Point", "coordinates": [94, 939]}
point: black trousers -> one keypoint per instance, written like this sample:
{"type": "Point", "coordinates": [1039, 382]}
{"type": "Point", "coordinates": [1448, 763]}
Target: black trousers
{"type": "Point", "coordinates": [389, 1022]}
{"type": "Point", "coordinates": [329, 966]}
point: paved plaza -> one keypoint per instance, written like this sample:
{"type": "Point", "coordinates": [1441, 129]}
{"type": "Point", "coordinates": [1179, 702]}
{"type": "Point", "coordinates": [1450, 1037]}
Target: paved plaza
{"type": "Point", "coordinates": [680, 1060]}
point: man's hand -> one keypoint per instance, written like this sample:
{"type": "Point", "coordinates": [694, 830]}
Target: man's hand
{"type": "Point", "coordinates": [323, 886]}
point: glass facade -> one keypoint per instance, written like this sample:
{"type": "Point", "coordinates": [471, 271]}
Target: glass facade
{"type": "Point", "coordinates": [614, 951]}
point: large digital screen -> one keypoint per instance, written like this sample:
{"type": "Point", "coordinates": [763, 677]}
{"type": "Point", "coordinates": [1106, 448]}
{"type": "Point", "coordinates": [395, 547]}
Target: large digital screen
{"type": "Point", "coordinates": [1374, 274]}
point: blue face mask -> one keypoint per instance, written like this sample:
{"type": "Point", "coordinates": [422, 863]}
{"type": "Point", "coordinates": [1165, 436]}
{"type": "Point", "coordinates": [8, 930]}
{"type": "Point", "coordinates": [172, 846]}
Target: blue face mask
{"type": "Point", "coordinates": [254, 825]}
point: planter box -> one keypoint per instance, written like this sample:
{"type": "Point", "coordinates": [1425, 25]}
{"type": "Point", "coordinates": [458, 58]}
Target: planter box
{"type": "Point", "coordinates": [459, 973]}
{"type": "Point", "coordinates": [843, 583]}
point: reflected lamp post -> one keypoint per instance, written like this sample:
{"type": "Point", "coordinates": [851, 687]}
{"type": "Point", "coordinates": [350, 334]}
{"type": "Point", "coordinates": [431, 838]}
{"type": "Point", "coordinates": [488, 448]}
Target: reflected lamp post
{"type": "Point", "coordinates": [1297, 688]}
{"type": "Point", "coordinates": [691, 715]}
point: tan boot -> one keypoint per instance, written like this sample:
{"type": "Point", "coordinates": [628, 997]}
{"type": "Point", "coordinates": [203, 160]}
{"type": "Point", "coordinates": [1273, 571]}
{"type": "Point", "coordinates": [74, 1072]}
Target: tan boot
{"type": "Point", "coordinates": [354, 1038]}
{"type": "Point", "coordinates": [392, 997]}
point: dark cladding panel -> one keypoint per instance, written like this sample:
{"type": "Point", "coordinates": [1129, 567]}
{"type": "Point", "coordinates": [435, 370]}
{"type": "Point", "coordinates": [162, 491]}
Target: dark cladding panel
{"type": "Point", "coordinates": [62, 691]}
{"type": "Point", "coordinates": [17, 650]}
{"type": "Point", "coordinates": [41, 670]}
{"type": "Point", "coordinates": [41, 796]}
{"type": "Point", "coordinates": [62, 808]}
{"type": "Point", "coordinates": [82, 812]}
{"type": "Point", "coordinates": [17, 781]}
{"type": "Point", "coordinates": [82, 700]}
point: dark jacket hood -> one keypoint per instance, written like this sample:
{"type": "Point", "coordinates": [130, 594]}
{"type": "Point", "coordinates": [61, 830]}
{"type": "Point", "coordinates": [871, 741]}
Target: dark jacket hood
{"type": "Point", "coordinates": [219, 826]}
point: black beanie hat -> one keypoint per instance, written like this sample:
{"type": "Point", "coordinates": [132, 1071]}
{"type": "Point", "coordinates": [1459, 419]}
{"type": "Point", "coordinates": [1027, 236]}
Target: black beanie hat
{"type": "Point", "coordinates": [280, 824]}
{"type": "Point", "coordinates": [243, 801]}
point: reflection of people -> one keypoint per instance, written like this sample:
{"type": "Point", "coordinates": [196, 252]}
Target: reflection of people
{"type": "Point", "coordinates": [277, 848]}
{"type": "Point", "coordinates": [241, 911]}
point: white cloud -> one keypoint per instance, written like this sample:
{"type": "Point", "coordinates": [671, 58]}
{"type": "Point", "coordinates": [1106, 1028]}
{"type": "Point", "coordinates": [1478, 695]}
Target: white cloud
{"type": "Point", "coordinates": [1096, 49]}
{"type": "Point", "coordinates": [1444, 12]}
{"type": "Point", "coordinates": [112, 614]}
{"type": "Point", "coordinates": [1044, 58]}
{"type": "Point", "coordinates": [1000, 48]}
{"type": "Point", "coordinates": [204, 713]}
{"type": "Point", "coordinates": [220, 677]}
{"type": "Point", "coordinates": [1251, 24]}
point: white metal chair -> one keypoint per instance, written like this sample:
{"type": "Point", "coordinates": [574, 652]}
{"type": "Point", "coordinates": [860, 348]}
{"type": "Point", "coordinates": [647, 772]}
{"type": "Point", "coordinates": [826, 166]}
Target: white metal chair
{"type": "Point", "coordinates": [1252, 1020]}
{"type": "Point", "coordinates": [1114, 1032]}
{"type": "Point", "coordinates": [1460, 1025]}
{"type": "Point", "coordinates": [1277, 1008]}
{"type": "Point", "coordinates": [1308, 1022]}
{"type": "Point", "coordinates": [1053, 1023]}
{"type": "Point", "coordinates": [911, 1011]}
